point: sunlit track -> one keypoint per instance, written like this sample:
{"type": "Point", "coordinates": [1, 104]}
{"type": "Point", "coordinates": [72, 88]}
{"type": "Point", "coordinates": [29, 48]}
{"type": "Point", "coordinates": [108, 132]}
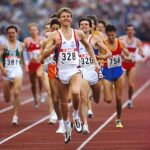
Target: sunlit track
{"type": "Point", "coordinates": [23, 130]}
{"type": "Point", "coordinates": [22, 89]}
{"type": "Point", "coordinates": [26, 101]}
{"type": "Point", "coordinates": [137, 93]}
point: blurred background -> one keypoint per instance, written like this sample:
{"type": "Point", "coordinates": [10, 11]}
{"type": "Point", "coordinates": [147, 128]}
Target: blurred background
{"type": "Point", "coordinates": [116, 12]}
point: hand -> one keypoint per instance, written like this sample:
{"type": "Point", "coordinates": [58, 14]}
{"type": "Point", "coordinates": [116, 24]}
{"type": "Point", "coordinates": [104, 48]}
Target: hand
{"type": "Point", "coordinates": [4, 72]}
{"type": "Point", "coordinates": [97, 68]}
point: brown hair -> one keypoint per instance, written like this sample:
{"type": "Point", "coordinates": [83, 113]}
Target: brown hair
{"type": "Point", "coordinates": [64, 9]}
{"type": "Point", "coordinates": [32, 24]}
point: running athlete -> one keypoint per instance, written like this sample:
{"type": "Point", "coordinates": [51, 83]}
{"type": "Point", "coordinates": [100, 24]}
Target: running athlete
{"type": "Point", "coordinates": [133, 44]}
{"type": "Point", "coordinates": [101, 27]}
{"type": "Point", "coordinates": [95, 30]}
{"type": "Point", "coordinates": [112, 71]}
{"type": "Point", "coordinates": [68, 71]}
{"type": "Point", "coordinates": [11, 58]}
{"type": "Point", "coordinates": [51, 70]}
{"type": "Point", "coordinates": [90, 76]}
{"type": "Point", "coordinates": [34, 66]}
{"type": "Point", "coordinates": [52, 117]}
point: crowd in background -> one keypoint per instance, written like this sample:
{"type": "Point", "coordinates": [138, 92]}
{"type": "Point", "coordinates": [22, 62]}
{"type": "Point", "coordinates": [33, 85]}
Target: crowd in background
{"type": "Point", "coordinates": [117, 12]}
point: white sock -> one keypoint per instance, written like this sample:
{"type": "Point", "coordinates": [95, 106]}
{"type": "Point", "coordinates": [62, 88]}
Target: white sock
{"type": "Point", "coordinates": [75, 114]}
{"type": "Point", "coordinates": [129, 101]}
{"type": "Point", "coordinates": [67, 123]}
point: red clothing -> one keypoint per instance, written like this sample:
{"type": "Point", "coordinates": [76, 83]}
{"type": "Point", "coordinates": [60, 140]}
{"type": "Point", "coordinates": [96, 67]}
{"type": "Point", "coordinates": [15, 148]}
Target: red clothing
{"type": "Point", "coordinates": [33, 51]}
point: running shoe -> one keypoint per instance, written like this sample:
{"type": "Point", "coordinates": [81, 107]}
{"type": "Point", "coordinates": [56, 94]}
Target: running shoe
{"type": "Point", "coordinates": [52, 118]}
{"type": "Point", "coordinates": [77, 123]}
{"type": "Point", "coordinates": [118, 124]}
{"type": "Point", "coordinates": [61, 128]}
{"type": "Point", "coordinates": [67, 134]}
{"type": "Point", "coordinates": [85, 129]}
{"type": "Point", "coordinates": [15, 120]}
{"type": "Point", "coordinates": [90, 114]}
{"type": "Point", "coordinates": [130, 105]}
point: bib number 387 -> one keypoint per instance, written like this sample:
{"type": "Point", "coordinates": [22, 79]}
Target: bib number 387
{"type": "Point", "coordinates": [115, 61]}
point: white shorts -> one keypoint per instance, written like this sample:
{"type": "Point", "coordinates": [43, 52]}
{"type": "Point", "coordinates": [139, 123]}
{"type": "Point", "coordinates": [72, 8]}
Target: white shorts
{"type": "Point", "coordinates": [65, 74]}
{"type": "Point", "coordinates": [13, 73]}
{"type": "Point", "coordinates": [90, 75]}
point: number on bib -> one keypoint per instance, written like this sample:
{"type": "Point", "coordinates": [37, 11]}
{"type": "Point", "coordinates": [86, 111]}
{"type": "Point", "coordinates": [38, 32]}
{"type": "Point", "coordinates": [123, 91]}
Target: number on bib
{"type": "Point", "coordinates": [115, 61]}
{"type": "Point", "coordinates": [69, 57]}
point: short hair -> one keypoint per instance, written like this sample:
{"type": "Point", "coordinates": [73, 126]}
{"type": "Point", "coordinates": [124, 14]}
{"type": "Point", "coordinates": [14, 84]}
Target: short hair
{"type": "Point", "coordinates": [11, 27]}
{"type": "Point", "coordinates": [110, 28]}
{"type": "Point", "coordinates": [94, 18]}
{"type": "Point", "coordinates": [64, 9]}
{"type": "Point", "coordinates": [102, 22]}
{"type": "Point", "coordinates": [54, 15]}
{"type": "Point", "coordinates": [54, 21]}
{"type": "Point", "coordinates": [86, 19]}
{"type": "Point", "coordinates": [32, 24]}
{"type": "Point", "coordinates": [129, 25]}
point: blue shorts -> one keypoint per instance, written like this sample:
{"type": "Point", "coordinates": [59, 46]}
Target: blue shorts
{"type": "Point", "coordinates": [111, 74]}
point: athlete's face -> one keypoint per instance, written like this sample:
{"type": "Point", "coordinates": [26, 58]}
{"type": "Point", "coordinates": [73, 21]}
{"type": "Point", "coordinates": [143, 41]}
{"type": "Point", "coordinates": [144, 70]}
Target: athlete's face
{"type": "Point", "coordinates": [111, 36]}
{"type": "Point", "coordinates": [33, 30]}
{"type": "Point", "coordinates": [130, 31]}
{"type": "Point", "coordinates": [54, 27]}
{"type": "Point", "coordinates": [101, 27]}
{"type": "Point", "coordinates": [47, 28]}
{"type": "Point", "coordinates": [65, 19]}
{"type": "Point", "coordinates": [84, 26]}
{"type": "Point", "coordinates": [11, 34]}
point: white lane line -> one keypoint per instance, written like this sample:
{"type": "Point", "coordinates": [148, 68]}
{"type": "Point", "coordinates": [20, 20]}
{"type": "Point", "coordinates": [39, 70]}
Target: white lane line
{"type": "Point", "coordinates": [22, 103]}
{"type": "Point", "coordinates": [11, 107]}
{"type": "Point", "coordinates": [23, 130]}
{"type": "Point", "coordinates": [22, 89]}
{"type": "Point", "coordinates": [138, 92]}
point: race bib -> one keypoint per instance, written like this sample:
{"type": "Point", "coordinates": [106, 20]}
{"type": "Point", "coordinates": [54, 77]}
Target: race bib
{"type": "Point", "coordinates": [34, 54]}
{"type": "Point", "coordinates": [85, 60]}
{"type": "Point", "coordinates": [69, 57]}
{"type": "Point", "coordinates": [12, 62]}
{"type": "Point", "coordinates": [115, 61]}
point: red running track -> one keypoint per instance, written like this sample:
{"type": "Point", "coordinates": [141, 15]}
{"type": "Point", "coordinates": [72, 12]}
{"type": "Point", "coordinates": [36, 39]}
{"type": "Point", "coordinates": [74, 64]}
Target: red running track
{"type": "Point", "coordinates": [35, 134]}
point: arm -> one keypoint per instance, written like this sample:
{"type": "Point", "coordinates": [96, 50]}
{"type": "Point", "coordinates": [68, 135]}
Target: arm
{"type": "Point", "coordinates": [139, 45]}
{"type": "Point", "coordinates": [22, 53]}
{"type": "Point", "coordinates": [103, 49]}
{"type": "Point", "coordinates": [2, 69]}
{"type": "Point", "coordinates": [51, 44]}
{"type": "Point", "coordinates": [125, 54]}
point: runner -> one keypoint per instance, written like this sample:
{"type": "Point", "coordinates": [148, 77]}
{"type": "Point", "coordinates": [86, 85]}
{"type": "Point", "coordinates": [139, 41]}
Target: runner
{"type": "Point", "coordinates": [52, 118]}
{"type": "Point", "coordinates": [90, 76]}
{"type": "Point", "coordinates": [112, 71]}
{"type": "Point", "coordinates": [68, 71]}
{"type": "Point", "coordinates": [133, 44]}
{"type": "Point", "coordinates": [11, 58]}
{"type": "Point", "coordinates": [51, 69]}
{"type": "Point", "coordinates": [34, 66]}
